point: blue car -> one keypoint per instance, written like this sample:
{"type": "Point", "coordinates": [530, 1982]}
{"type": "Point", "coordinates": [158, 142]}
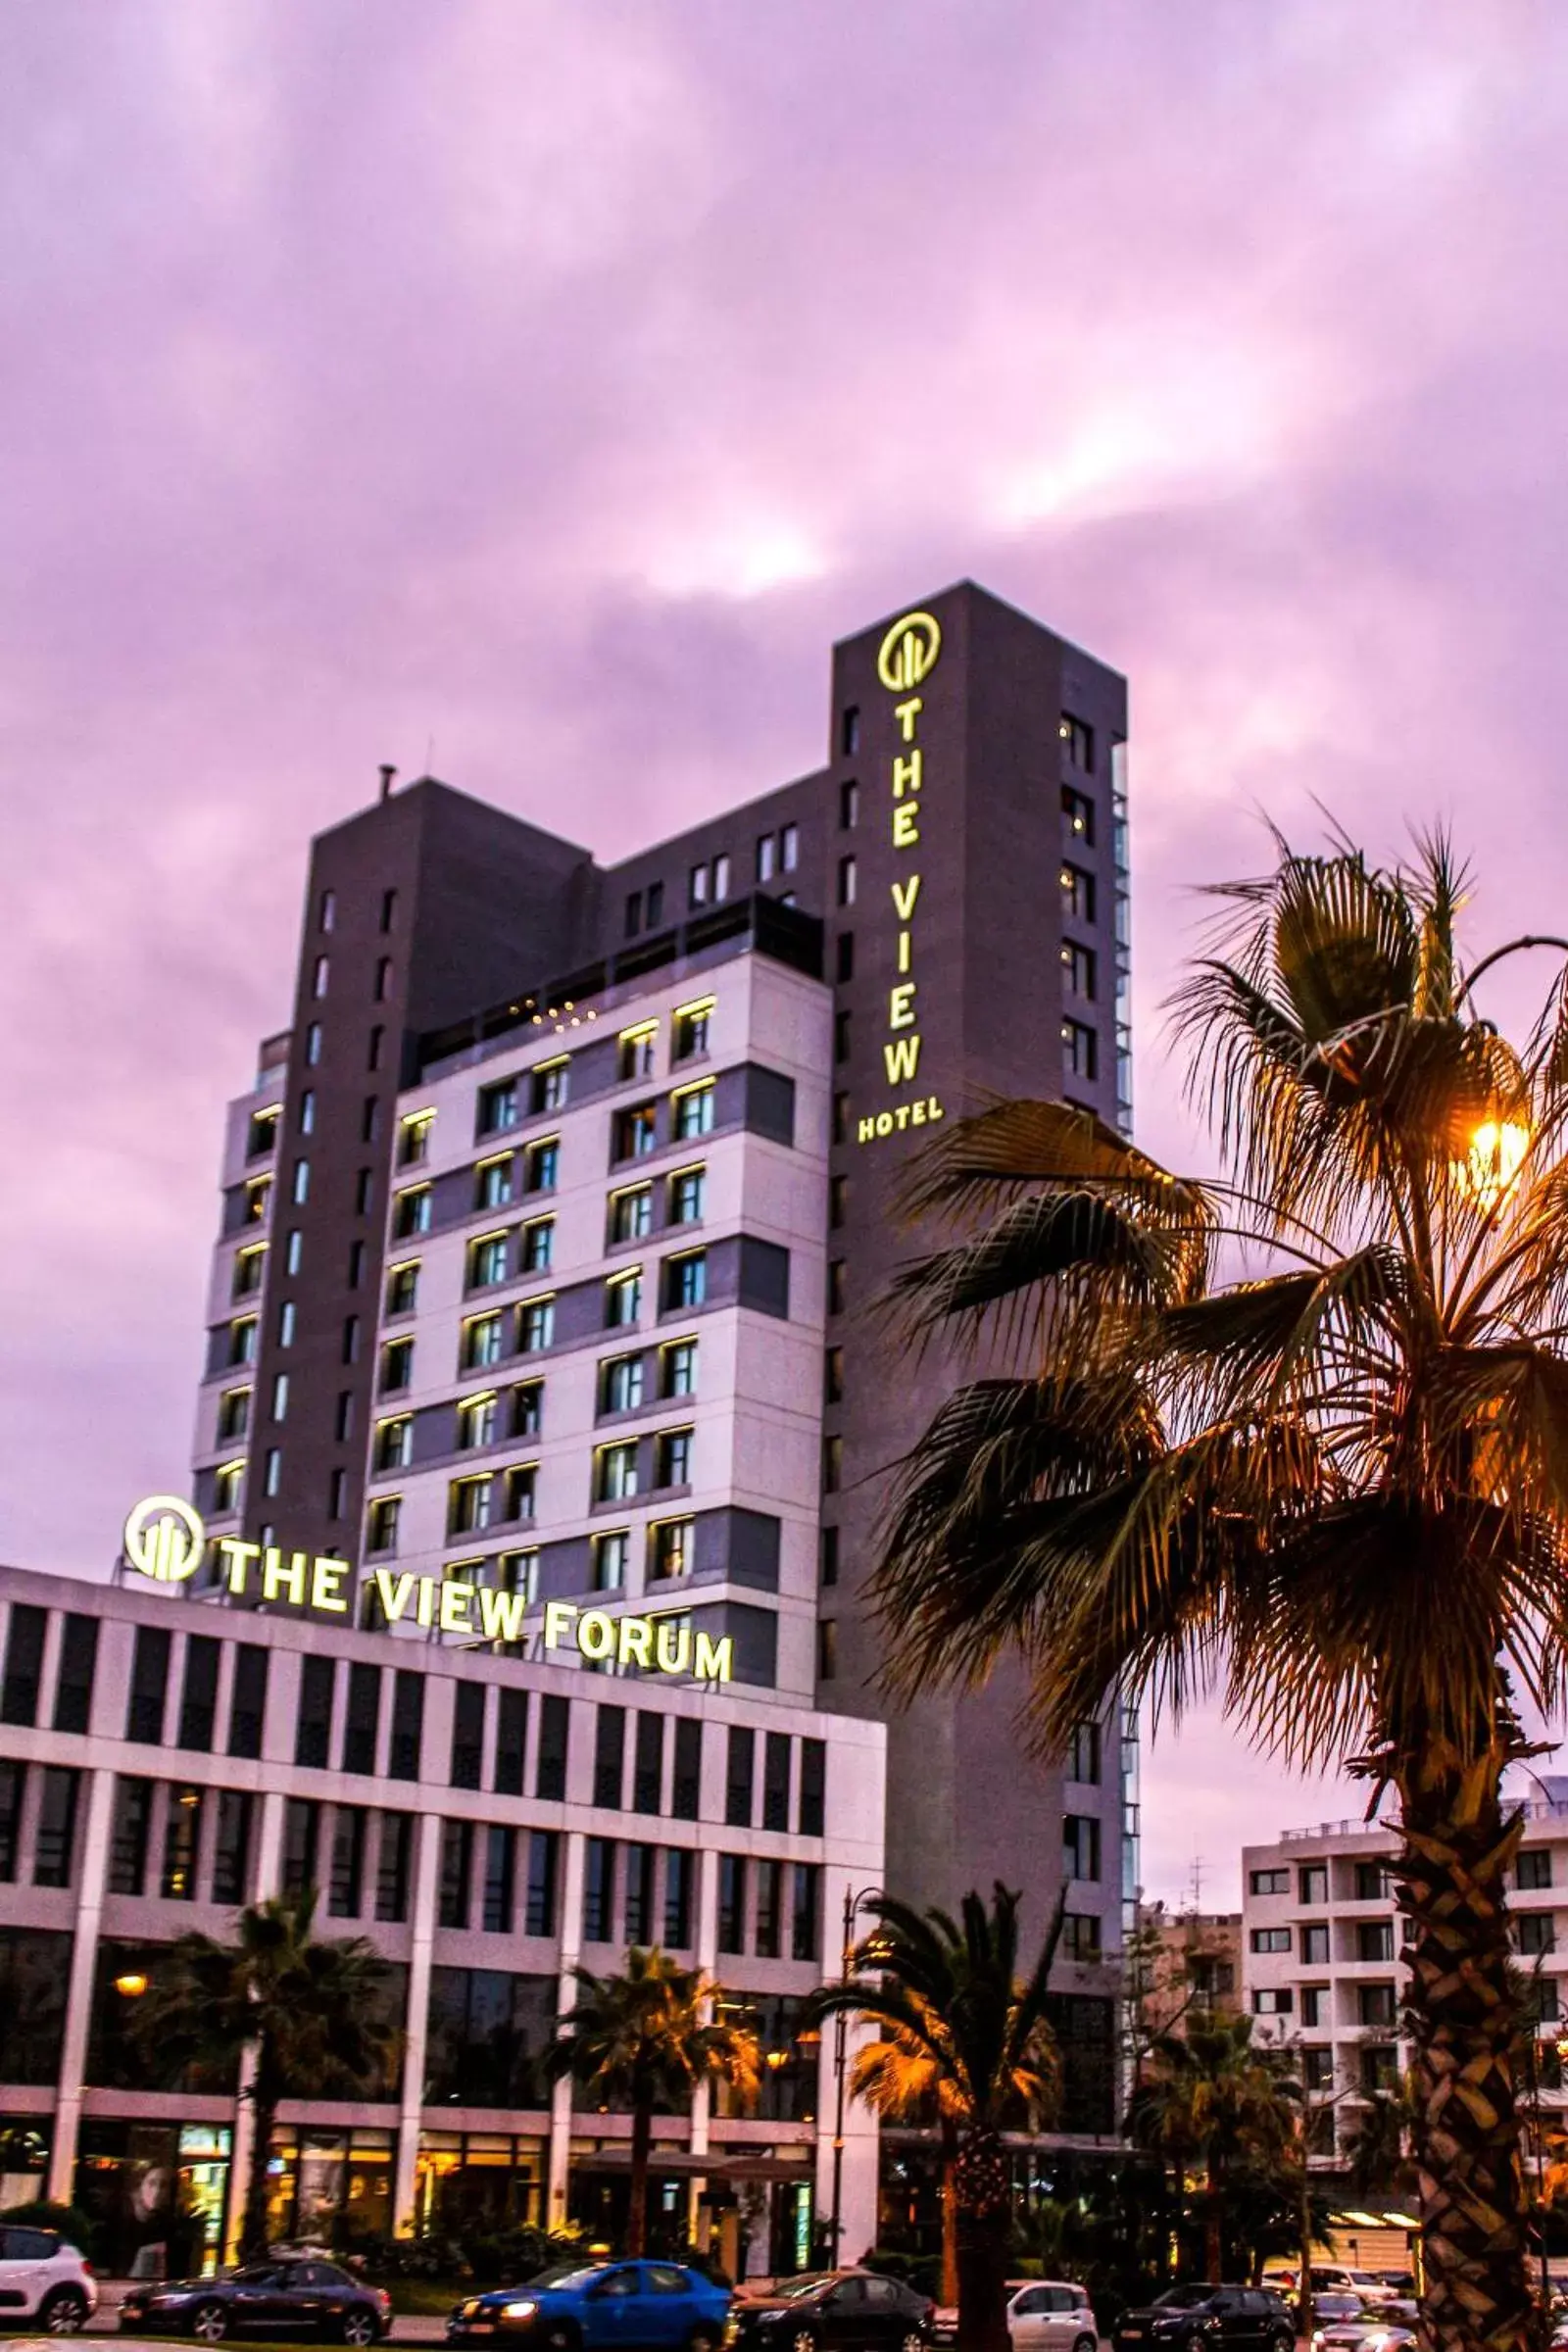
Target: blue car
{"type": "Point", "coordinates": [601, 2306]}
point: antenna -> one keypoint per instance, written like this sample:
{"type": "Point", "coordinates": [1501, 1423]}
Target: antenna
{"type": "Point", "coordinates": [388, 772]}
{"type": "Point", "coordinates": [1198, 1881]}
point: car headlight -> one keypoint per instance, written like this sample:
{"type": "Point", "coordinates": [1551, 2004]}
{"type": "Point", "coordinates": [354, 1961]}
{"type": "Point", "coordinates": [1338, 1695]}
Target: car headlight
{"type": "Point", "coordinates": [519, 2311]}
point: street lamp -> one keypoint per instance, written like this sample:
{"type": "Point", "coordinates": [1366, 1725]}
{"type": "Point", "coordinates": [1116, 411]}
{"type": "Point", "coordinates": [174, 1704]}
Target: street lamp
{"type": "Point", "coordinates": [841, 2035]}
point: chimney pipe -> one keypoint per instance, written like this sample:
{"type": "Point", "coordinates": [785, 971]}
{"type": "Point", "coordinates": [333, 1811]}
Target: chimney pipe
{"type": "Point", "coordinates": [388, 772]}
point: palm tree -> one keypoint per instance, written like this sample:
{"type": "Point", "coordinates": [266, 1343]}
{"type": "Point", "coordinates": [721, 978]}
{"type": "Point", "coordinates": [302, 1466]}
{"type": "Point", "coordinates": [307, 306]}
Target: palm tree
{"type": "Point", "coordinates": [1214, 2096]}
{"type": "Point", "coordinates": [962, 2038]}
{"type": "Point", "coordinates": [1375, 2153]}
{"type": "Point", "coordinates": [650, 2038]}
{"type": "Point", "coordinates": [309, 2012]}
{"type": "Point", "coordinates": [1300, 1436]}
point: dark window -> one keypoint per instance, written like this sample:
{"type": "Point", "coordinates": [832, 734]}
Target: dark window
{"type": "Point", "coordinates": [232, 1847]}
{"type": "Point", "coordinates": [57, 1827]}
{"type": "Point", "coordinates": [648, 1767]}
{"type": "Point", "coordinates": [835, 1286]}
{"type": "Point", "coordinates": [1077, 818]}
{"type": "Point", "coordinates": [844, 969]}
{"type": "Point", "coordinates": [313, 1729]}
{"type": "Point", "coordinates": [1534, 1869]}
{"type": "Point", "coordinates": [1080, 1845]}
{"type": "Point", "coordinates": [249, 1709]}
{"type": "Point", "coordinates": [1077, 894]}
{"type": "Point", "coordinates": [1374, 1939]}
{"type": "Point", "coordinates": [555, 1729]}
{"type": "Point", "coordinates": [1079, 1050]}
{"type": "Point", "coordinates": [1270, 1881]}
{"type": "Point", "coordinates": [1078, 975]}
{"type": "Point", "coordinates": [383, 978]}
{"type": "Point", "coordinates": [769, 1906]}
{"type": "Point", "coordinates": [389, 908]}
{"type": "Point", "coordinates": [739, 1774]}
{"type": "Point", "coordinates": [457, 1872]}
{"type": "Point", "coordinates": [499, 1881]}
{"type": "Point", "coordinates": [1078, 736]}
{"type": "Point", "coordinates": [13, 1787]}
{"type": "Point", "coordinates": [810, 1804]}
{"type": "Point", "coordinates": [599, 1891]}
{"type": "Point", "coordinates": [1314, 1943]}
{"type": "Point", "coordinates": [731, 1904]}
{"type": "Point", "coordinates": [511, 1736]}
{"type": "Point", "coordinates": [182, 1838]}
{"type": "Point", "coordinates": [363, 1719]}
{"type": "Point", "coordinates": [806, 1923]}
{"type": "Point", "coordinates": [302, 1842]}
{"type": "Point", "coordinates": [18, 1693]}
{"type": "Point", "coordinates": [686, 1788]}
{"type": "Point", "coordinates": [827, 1649]}
{"type": "Point", "coordinates": [394, 1866]}
{"type": "Point", "coordinates": [842, 1034]}
{"type": "Point", "coordinates": [678, 1897]}
{"type": "Point", "coordinates": [1535, 1936]}
{"type": "Point", "coordinates": [637, 1921]}
{"type": "Point", "coordinates": [467, 1734]}
{"type": "Point", "coordinates": [78, 1659]}
{"type": "Point", "coordinates": [198, 1705]}
{"type": "Point", "coordinates": [610, 1757]}
{"type": "Point", "coordinates": [372, 1059]}
{"type": "Point", "coordinates": [1083, 1754]}
{"type": "Point", "coordinates": [776, 1781]}
{"type": "Point", "coordinates": [1271, 1940]}
{"type": "Point", "coordinates": [830, 1556]}
{"type": "Point", "coordinates": [542, 1873]}
{"type": "Point", "coordinates": [408, 1726]}
{"type": "Point", "coordinates": [656, 903]}
{"type": "Point", "coordinates": [1313, 1883]}
{"type": "Point", "coordinates": [634, 912]}
{"type": "Point", "coordinates": [127, 1849]}
{"type": "Point", "coordinates": [149, 1685]}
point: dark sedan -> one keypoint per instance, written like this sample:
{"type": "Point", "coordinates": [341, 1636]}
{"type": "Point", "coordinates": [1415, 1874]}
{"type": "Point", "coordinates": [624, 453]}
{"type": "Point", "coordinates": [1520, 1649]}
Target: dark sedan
{"type": "Point", "coordinates": [265, 2298]}
{"type": "Point", "coordinates": [1201, 2319]}
{"type": "Point", "coordinates": [835, 2311]}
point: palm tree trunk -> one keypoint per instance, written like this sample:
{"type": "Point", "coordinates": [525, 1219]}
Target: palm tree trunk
{"type": "Point", "coordinates": [983, 2212]}
{"type": "Point", "coordinates": [253, 2229]}
{"type": "Point", "coordinates": [1458, 1848]}
{"type": "Point", "coordinates": [642, 2140]}
{"type": "Point", "coordinates": [1213, 2217]}
{"type": "Point", "coordinates": [949, 2216]}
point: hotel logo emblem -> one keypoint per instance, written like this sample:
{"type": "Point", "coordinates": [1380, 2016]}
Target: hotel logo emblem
{"type": "Point", "coordinates": [908, 652]}
{"type": "Point", "coordinates": [165, 1538]}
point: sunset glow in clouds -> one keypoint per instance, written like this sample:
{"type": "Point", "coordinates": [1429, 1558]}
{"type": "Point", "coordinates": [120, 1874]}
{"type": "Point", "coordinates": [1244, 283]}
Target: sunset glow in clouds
{"type": "Point", "coordinates": [534, 391]}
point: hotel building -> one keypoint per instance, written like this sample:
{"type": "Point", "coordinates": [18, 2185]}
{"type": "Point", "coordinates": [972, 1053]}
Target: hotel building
{"type": "Point", "coordinates": [543, 1346]}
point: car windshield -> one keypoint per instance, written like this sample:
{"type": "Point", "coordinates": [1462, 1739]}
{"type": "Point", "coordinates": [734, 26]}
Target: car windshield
{"type": "Point", "coordinates": [569, 2274]}
{"type": "Point", "coordinates": [258, 2275]}
{"type": "Point", "coordinates": [1183, 2298]}
{"type": "Point", "coordinates": [792, 2290]}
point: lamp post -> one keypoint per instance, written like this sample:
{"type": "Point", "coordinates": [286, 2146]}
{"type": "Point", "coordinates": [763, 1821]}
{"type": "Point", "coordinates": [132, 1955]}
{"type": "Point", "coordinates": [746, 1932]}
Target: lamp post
{"type": "Point", "coordinates": [841, 2040]}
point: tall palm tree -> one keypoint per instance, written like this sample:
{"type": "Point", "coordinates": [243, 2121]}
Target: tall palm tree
{"type": "Point", "coordinates": [1300, 1436]}
{"type": "Point", "coordinates": [960, 2036]}
{"type": "Point", "coordinates": [308, 2011]}
{"type": "Point", "coordinates": [649, 2037]}
{"type": "Point", "coordinates": [1213, 2095]}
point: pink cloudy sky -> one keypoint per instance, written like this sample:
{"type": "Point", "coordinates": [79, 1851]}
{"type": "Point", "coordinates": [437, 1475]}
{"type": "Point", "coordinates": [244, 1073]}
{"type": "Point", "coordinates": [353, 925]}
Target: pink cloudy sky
{"type": "Point", "coordinates": [548, 384]}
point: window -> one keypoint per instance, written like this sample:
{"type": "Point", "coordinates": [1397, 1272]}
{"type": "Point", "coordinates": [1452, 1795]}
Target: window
{"type": "Point", "coordinates": [497, 1894]}
{"type": "Point", "coordinates": [527, 1408]}
{"type": "Point", "coordinates": [1534, 1869]}
{"type": "Point", "coordinates": [364, 1192]}
{"type": "Point", "coordinates": [362, 1719]}
{"type": "Point", "coordinates": [229, 1488]}
{"type": "Point", "coordinates": [631, 1213]}
{"type": "Point", "coordinates": [1373, 1882]}
{"type": "Point", "coordinates": [56, 1841]}
{"type": "Point", "coordinates": [1080, 1056]}
{"type": "Point", "coordinates": [835, 1286]}
{"type": "Point", "coordinates": [685, 1280]}
{"type": "Point", "coordinates": [846, 888]}
{"type": "Point", "coordinates": [694, 1112]}
{"type": "Point", "coordinates": [469, 1503]}
{"type": "Point", "coordinates": [1083, 1754]}
{"type": "Point", "coordinates": [636, 1131]}
{"type": "Point", "coordinates": [833, 1376]}
{"type": "Point", "coordinates": [249, 1267]}
{"type": "Point", "coordinates": [842, 1034]}
{"type": "Point", "coordinates": [381, 1525]}
{"type": "Point", "coordinates": [623, 1299]}
{"type": "Point", "coordinates": [655, 904]}
{"type": "Point", "coordinates": [1080, 1846]}
{"type": "Point", "coordinates": [483, 1343]}
{"type": "Point", "coordinates": [648, 1765]}
{"type": "Point", "coordinates": [345, 1887]}
{"type": "Point", "coordinates": [550, 1765]}
{"type": "Point", "coordinates": [413, 1135]}
{"type": "Point", "coordinates": [536, 1325]}
{"type": "Point", "coordinates": [615, 1473]}
{"type": "Point", "coordinates": [1079, 739]}
{"type": "Point", "coordinates": [547, 1086]}
{"type": "Point", "coordinates": [634, 912]}
{"type": "Point", "coordinates": [257, 1199]}
{"type": "Point", "coordinates": [1374, 1939]}
{"type": "Point", "coordinates": [1314, 2005]}
{"type": "Point", "coordinates": [468, 1734]}
{"type": "Point", "coordinates": [846, 957]}
{"type": "Point", "coordinates": [408, 1726]}
{"type": "Point", "coordinates": [300, 1191]}
{"type": "Point", "coordinates": [686, 1779]}
{"type": "Point", "coordinates": [242, 1341]}
{"type": "Point", "coordinates": [383, 978]}
{"type": "Point", "coordinates": [389, 909]}
{"type": "Point", "coordinates": [456, 1873]}
{"type": "Point", "coordinates": [337, 1493]}
{"type": "Point", "coordinates": [492, 1182]}
{"type": "Point", "coordinates": [827, 1649]}
{"type": "Point", "coordinates": [1077, 817]}
{"type": "Point", "coordinates": [599, 1890]}
{"type": "Point", "coordinates": [1379, 2069]}
{"type": "Point", "coordinates": [487, 1261]}
{"type": "Point", "coordinates": [1077, 894]}
{"type": "Point", "coordinates": [478, 1421]}
{"type": "Point", "coordinates": [499, 1106]}
{"type": "Point", "coordinates": [849, 799]}
{"type": "Point", "coordinates": [637, 1926]}
{"type": "Point", "coordinates": [620, 1383]}
{"type": "Point", "coordinates": [672, 1459]}
{"type": "Point", "coordinates": [539, 1918]}
{"type": "Point", "coordinates": [677, 1369]}
{"type": "Point", "coordinates": [1315, 1944]}
{"type": "Point", "coordinates": [149, 1685]}
{"type": "Point", "coordinates": [769, 1904]}
{"type": "Point", "coordinates": [306, 1112]}
{"type": "Point", "coordinates": [261, 1136]}
{"type": "Point", "coordinates": [731, 1904]}
{"type": "Point", "coordinates": [610, 1555]}
{"type": "Point", "coordinates": [518, 1572]}
{"type": "Point", "coordinates": [402, 1289]}
{"type": "Point", "coordinates": [522, 1490]}
{"type": "Point", "coordinates": [511, 1739]}
{"type": "Point", "coordinates": [247, 1712]}
{"type": "Point", "coordinates": [1078, 970]}
{"type": "Point", "coordinates": [805, 1911]}
{"type": "Point", "coordinates": [1270, 1939]}
{"type": "Point", "coordinates": [394, 1866]}
{"type": "Point", "coordinates": [232, 1847]}
{"type": "Point", "coordinates": [321, 974]}
{"type": "Point", "coordinates": [355, 1274]}
{"type": "Point", "coordinates": [698, 884]}
{"type": "Point", "coordinates": [12, 1788]}
{"type": "Point", "coordinates": [198, 1704]}
{"type": "Point", "coordinates": [1313, 1883]}
{"type": "Point", "coordinates": [638, 1050]}
{"type": "Point", "coordinates": [313, 1045]}
{"type": "Point", "coordinates": [302, 1837]}
{"type": "Point", "coordinates": [829, 1563]}
{"type": "Point", "coordinates": [127, 1848]}
{"type": "Point", "coordinates": [832, 1463]}
{"type": "Point", "coordinates": [79, 1663]}
{"type": "Point", "coordinates": [670, 1548]}
{"type": "Point", "coordinates": [19, 1692]}
{"type": "Point", "coordinates": [789, 848]}
{"type": "Point", "coordinates": [810, 1799]}
{"type": "Point", "coordinates": [776, 1781]}
{"type": "Point", "coordinates": [1276, 2001]}
{"type": "Point", "coordinates": [542, 1165]}
{"type": "Point", "coordinates": [373, 1057]}
{"type": "Point", "coordinates": [410, 1211]}
{"type": "Point", "coordinates": [690, 1030]}
{"type": "Point", "coordinates": [1536, 1934]}
{"type": "Point", "coordinates": [1270, 1881]}
{"type": "Point", "coordinates": [1080, 1935]}
{"type": "Point", "coordinates": [394, 1442]}
{"type": "Point", "coordinates": [1317, 2069]}
{"type": "Point", "coordinates": [766, 856]}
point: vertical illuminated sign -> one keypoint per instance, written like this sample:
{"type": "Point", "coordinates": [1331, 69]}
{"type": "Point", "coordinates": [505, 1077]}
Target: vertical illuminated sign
{"type": "Point", "coordinates": [908, 655]}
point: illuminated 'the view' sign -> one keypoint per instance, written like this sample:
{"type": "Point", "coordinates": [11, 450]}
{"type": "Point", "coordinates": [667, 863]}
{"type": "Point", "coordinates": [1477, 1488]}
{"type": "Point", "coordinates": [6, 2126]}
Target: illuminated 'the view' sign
{"type": "Point", "coordinates": [165, 1539]}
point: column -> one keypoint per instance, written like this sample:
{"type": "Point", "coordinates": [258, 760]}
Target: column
{"type": "Point", "coordinates": [266, 1879]}
{"type": "Point", "coordinates": [561, 2097]}
{"type": "Point", "coordinates": [426, 1878]}
{"type": "Point", "coordinates": [92, 1871]}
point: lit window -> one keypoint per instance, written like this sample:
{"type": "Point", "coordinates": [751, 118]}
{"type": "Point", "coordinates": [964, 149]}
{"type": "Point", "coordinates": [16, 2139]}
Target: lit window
{"type": "Point", "coordinates": [1078, 970]}
{"type": "Point", "coordinates": [611, 1557]}
{"type": "Point", "coordinates": [308, 1111]}
{"type": "Point", "coordinates": [615, 1473]}
{"type": "Point", "coordinates": [478, 1421]}
{"type": "Point", "coordinates": [410, 1211]}
{"type": "Point", "coordinates": [1077, 894]}
{"type": "Point", "coordinates": [694, 1112]}
{"type": "Point", "coordinates": [262, 1133]}
{"type": "Point", "coordinates": [301, 1182]}
{"type": "Point", "coordinates": [631, 1213]}
{"type": "Point", "coordinates": [487, 1261]}
{"type": "Point", "coordinates": [397, 1365]}
{"type": "Point", "coordinates": [492, 1188]}
{"type": "Point", "coordinates": [402, 1289]}
{"type": "Point", "coordinates": [413, 1140]}
{"type": "Point", "coordinates": [673, 1463]}
{"type": "Point", "coordinates": [690, 1030]}
{"type": "Point", "coordinates": [272, 1473]}
{"type": "Point", "coordinates": [636, 1132]}
{"type": "Point", "coordinates": [620, 1386]}
{"type": "Point", "coordinates": [497, 1107]}
{"type": "Point", "coordinates": [394, 1442]}
{"type": "Point", "coordinates": [1077, 817]}
{"type": "Point", "coordinates": [697, 886]}
{"type": "Point", "coordinates": [638, 1051]}
{"type": "Point", "coordinates": [287, 1322]}
{"type": "Point", "coordinates": [549, 1086]}
{"type": "Point", "coordinates": [470, 1504]}
{"type": "Point", "coordinates": [536, 1325]}
{"type": "Point", "coordinates": [538, 1246]}
{"type": "Point", "coordinates": [1079, 738]}
{"type": "Point", "coordinates": [623, 1299]}
{"type": "Point", "coordinates": [258, 1193]}
{"type": "Point", "coordinates": [670, 1548]}
{"type": "Point", "coordinates": [523, 1486]}
{"type": "Point", "coordinates": [228, 1486]}
{"type": "Point", "coordinates": [677, 1365]}
{"type": "Point", "coordinates": [293, 1252]}
{"type": "Point", "coordinates": [482, 1341]}
{"type": "Point", "coordinates": [320, 972]}
{"type": "Point", "coordinates": [382, 1527]}
{"type": "Point", "coordinates": [686, 1191]}
{"type": "Point", "coordinates": [847, 881]}
{"type": "Point", "coordinates": [233, 1414]}
{"type": "Point", "coordinates": [249, 1267]}
{"type": "Point", "coordinates": [543, 1164]}
{"type": "Point", "coordinates": [313, 1043]}
{"type": "Point", "coordinates": [789, 848]}
{"type": "Point", "coordinates": [766, 856]}
{"type": "Point", "coordinates": [686, 1280]}
{"type": "Point", "coordinates": [519, 1573]}
{"type": "Point", "coordinates": [527, 1408]}
{"type": "Point", "coordinates": [279, 1395]}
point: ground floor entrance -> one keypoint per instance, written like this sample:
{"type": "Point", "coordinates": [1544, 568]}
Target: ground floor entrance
{"type": "Point", "coordinates": [156, 2194]}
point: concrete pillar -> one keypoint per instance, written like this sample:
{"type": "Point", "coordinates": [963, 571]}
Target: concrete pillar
{"type": "Point", "coordinates": [92, 1876]}
{"type": "Point", "coordinates": [267, 1876]}
{"type": "Point", "coordinates": [426, 1875]}
{"type": "Point", "coordinates": [571, 1894]}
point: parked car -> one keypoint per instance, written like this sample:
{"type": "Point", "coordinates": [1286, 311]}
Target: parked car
{"type": "Point", "coordinates": [262, 2298]}
{"type": "Point", "coordinates": [43, 2277]}
{"type": "Point", "coordinates": [1197, 2319]}
{"type": "Point", "coordinates": [1334, 2310]}
{"type": "Point", "coordinates": [587, 2305]}
{"type": "Point", "coordinates": [1052, 2314]}
{"type": "Point", "coordinates": [833, 2311]}
{"type": "Point", "coordinates": [1374, 2332]}
{"type": "Point", "coordinates": [1334, 2278]}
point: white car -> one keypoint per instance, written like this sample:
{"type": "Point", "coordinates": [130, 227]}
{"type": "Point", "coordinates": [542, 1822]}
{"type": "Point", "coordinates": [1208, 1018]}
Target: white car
{"type": "Point", "coordinates": [1052, 2316]}
{"type": "Point", "coordinates": [43, 2278]}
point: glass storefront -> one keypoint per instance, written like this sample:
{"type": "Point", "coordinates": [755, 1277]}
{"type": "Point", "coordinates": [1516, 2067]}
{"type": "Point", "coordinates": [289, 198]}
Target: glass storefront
{"type": "Point", "coordinates": [487, 2032]}
{"type": "Point", "coordinates": [24, 2143]}
{"type": "Point", "coordinates": [327, 2186]}
{"type": "Point", "coordinates": [156, 2191]}
{"type": "Point", "coordinates": [34, 1971]}
{"type": "Point", "coordinates": [484, 2182]}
